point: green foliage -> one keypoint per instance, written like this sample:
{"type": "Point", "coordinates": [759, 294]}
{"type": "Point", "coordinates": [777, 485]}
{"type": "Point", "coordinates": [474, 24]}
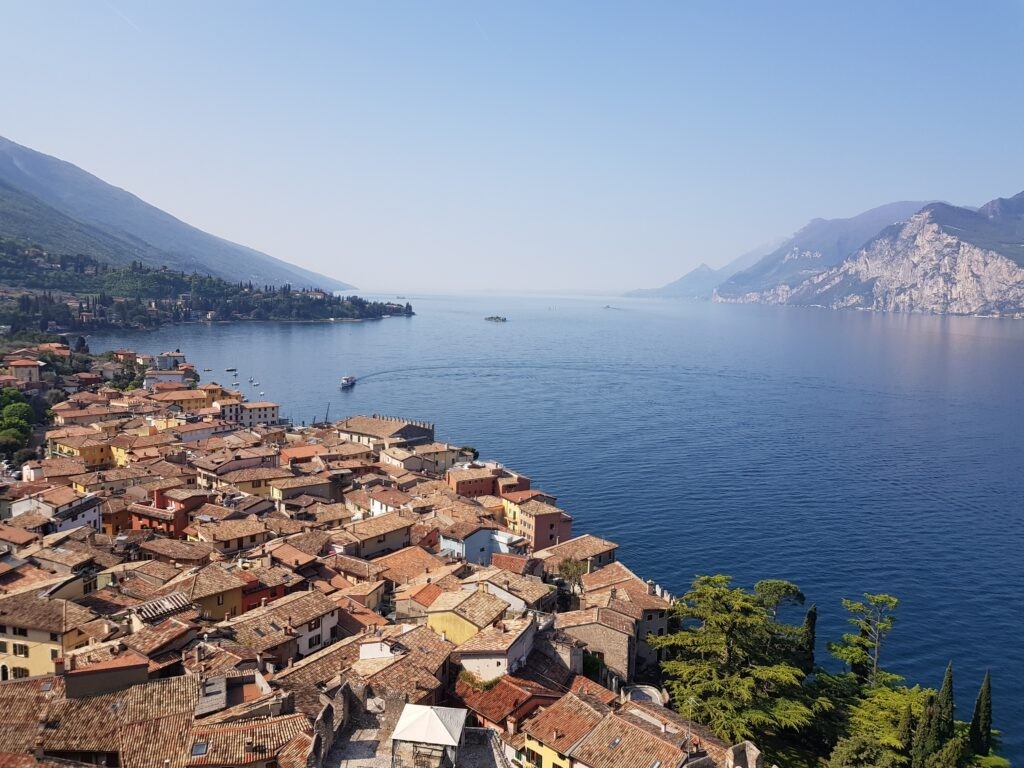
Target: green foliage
{"type": "Point", "coordinates": [468, 678]}
{"type": "Point", "coordinates": [774, 593]}
{"type": "Point", "coordinates": [944, 707]}
{"type": "Point", "coordinates": [808, 639]}
{"type": "Point", "coordinates": [862, 752]}
{"type": "Point", "coordinates": [732, 667]}
{"type": "Point", "coordinates": [19, 412]}
{"type": "Point", "coordinates": [10, 395]}
{"type": "Point", "coordinates": [981, 720]}
{"type": "Point", "coordinates": [144, 297]}
{"type": "Point", "coordinates": [905, 731]}
{"type": "Point", "coordinates": [873, 618]}
{"type": "Point", "coordinates": [572, 572]}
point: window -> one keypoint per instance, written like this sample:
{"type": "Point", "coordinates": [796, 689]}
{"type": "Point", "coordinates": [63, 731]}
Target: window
{"type": "Point", "coordinates": [54, 637]}
{"type": "Point", "coordinates": [20, 649]}
{"type": "Point", "coordinates": [199, 748]}
{"type": "Point", "coordinates": [54, 654]}
{"type": "Point", "coordinates": [220, 599]}
{"type": "Point", "coordinates": [20, 631]}
{"type": "Point", "coordinates": [18, 672]}
{"type": "Point", "coordinates": [380, 539]}
{"type": "Point", "coordinates": [314, 641]}
{"type": "Point", "coordinates": [3, 646]}
{"type": "Point", "coordinates": [3, 629]}
{"type": "Point", "coordinates": [314, 624]}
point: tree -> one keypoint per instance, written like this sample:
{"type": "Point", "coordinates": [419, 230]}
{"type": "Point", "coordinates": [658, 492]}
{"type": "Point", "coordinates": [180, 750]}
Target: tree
{"type": "Point", "coordinates": [774, 593]}
{"type": "Point", "coordinates": [861, 752]}
{"type": "Point", "coordinates": [926, 742]}
{"type": "Point", "coordinates": [572, 572]}
{"type": "Point", "coordinates": [731, 667]}
{"type": "Point", "coordinates": [944, 707]}
{"type": "Point", "coordinates": [873, 618]}
{"type": "Point", "coordinates": [980, 732]}
{"type": "Point", "coordinates": [905, 732]}
{"type": "Point", "coordinates": [808, 639]}
{"type": "Point", "coordinates": [20, 412]}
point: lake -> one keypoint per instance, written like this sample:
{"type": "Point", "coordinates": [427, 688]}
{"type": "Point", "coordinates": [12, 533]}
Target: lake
{"type": "Point", "coordinates": [847, 452]}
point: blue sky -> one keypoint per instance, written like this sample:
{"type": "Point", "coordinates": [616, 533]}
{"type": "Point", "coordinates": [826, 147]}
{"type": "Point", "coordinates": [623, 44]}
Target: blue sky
{"type": "Point", "coordinates": [520, 146]}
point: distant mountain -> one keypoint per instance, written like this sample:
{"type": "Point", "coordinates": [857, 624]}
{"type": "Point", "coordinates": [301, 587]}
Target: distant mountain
{"type": "Point", "coordinates": [701, 282]}
{"type": "Point", "coordinates": [66, 210]}
{"type": "Point", "coordinates": [820, 245]}
{"type": "Point", "coordinates": [945, 259]}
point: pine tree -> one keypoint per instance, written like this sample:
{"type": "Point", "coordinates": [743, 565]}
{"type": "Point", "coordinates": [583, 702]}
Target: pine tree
{"type": "Point", "coordinates": [981, 722]}
{"type": "Point", "coordinates": [944, 708]}
{"type": "Point", "coordinates": [906, 731]}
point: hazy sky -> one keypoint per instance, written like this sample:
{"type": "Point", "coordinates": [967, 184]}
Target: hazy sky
{"type": "Point", "coordinates": [508, 146]}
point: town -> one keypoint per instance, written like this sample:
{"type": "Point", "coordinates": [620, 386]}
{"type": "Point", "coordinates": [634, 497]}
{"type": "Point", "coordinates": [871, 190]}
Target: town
{"type": "Point", "coordinates": [187, 579]}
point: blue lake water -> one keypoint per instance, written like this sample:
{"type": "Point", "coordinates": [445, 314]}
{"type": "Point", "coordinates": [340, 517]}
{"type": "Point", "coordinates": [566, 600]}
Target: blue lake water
{"type": "Point", "coordinates": [847, 452]}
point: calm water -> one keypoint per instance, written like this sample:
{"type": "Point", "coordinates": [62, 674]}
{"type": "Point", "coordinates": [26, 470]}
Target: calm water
{"type": "Point", "coordinates": [846, 452]}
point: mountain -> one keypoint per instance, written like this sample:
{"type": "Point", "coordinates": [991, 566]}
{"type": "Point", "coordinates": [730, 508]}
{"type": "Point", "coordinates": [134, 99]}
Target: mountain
{"type": "Point", "coordinates": [820, 245]}
{"type": "Point", "coordinates": [64, 209]}
{"type": "Point", "coordinates": [945, 259]}
{"type": "Point", "coordinates": [701, 282]}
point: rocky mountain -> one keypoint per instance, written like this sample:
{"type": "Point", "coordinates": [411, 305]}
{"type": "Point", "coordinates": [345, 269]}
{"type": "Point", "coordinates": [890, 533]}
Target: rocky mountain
{"type": "Point", "coordinates": [945, 259]}
{"type": "Point", "coordinates": [701, 282]}
{"type": "Point", "coordinates": [65, 210]}
{"type": "Point", "coordinates": [819, 246]}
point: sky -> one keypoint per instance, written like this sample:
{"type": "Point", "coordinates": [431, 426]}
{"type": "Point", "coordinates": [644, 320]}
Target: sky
{"type": "Point", "coordinates": [479, 146]}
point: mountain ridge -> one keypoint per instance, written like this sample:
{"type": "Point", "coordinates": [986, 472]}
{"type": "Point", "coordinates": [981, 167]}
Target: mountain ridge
{"type": "Point", "coordinates": [39, 192]}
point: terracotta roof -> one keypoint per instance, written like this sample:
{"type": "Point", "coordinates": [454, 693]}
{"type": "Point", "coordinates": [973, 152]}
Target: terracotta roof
{"type": "Point", "coordinates": [579, 548]}
{"type": "Point", "coordinates": [603, 616]}
{"type": "Point", "coordinates": [504, 698]}
{"type": "Point", "coordinates": [379, 526]}
{"type": "Point", "coordinates": [405, 564]}
{"type": "Point", "coordinates": [267, 627]}
{"type": "Point", "coordinates": [178, 550]}
{"type": "Point", "coordinates": [566, 722]}
{"type": "Point", "coordinates": [373, 426]}
{"type": "Point", "coordinates": [530, 589]}
{"type": "Point", "coordinates": [497, 639]}
{"type": "Point", "coordinates": [47, 614]}
{"type": "Point", "coordinates": [246, 742]}
{"type": "Point", "coordinates": [616, 743]}
{"type": "Point", "coordinates": [212, 579]}
{"type": "Point", "coordinates": [477, 607]}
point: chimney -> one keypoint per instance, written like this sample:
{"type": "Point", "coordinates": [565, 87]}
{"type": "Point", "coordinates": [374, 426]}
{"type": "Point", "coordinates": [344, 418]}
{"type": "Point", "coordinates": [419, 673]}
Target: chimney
{"type": "Point", "coordinates": [58, 666]}
{"type": "Point", "coordinates": [263, 601]}
{"type": "Point", "coordinates": [613, 593]}
{"type": "Point", "coordinates": [249, 745]}
{"type": "Point", "coordinates": [651, 588]}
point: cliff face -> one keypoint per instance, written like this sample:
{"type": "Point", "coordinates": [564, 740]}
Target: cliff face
{"type": "Point", "coordinates": [944, 260]}
{"type": "Point", "coordinates": [919, 268]}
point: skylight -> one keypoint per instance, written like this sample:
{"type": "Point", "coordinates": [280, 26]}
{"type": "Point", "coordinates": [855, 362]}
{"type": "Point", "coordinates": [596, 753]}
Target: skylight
{"type": "Point", "coordinates": [199, 748]}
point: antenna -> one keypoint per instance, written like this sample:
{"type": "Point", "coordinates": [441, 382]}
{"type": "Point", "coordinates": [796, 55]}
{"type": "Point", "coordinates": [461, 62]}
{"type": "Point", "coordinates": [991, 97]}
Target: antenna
{"type": "Point", "coordinates": [327, 416]}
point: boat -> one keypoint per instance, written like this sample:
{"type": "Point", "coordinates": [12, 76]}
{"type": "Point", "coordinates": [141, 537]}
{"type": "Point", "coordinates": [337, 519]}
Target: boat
{"type": "Point", "coordinates": [496, 319]}
{"type": "Point", "coordinates": [262, 394]}
{"type": "Point", "coordinates": [347, 382]}
{"type": "Point", "coordinates": [207, 369]}
{"type": "Point", "coordinates": [230, 370]}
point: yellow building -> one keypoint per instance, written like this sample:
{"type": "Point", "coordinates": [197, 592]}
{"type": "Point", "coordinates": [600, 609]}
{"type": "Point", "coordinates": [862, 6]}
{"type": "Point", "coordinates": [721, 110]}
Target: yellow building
{"type": "Point", "coordinates": [458, 616]}
{"type": "Point", "coordinates": [214, 588]}
{"type": "Point", "coordinates": [549, 736]}
{"type": "Point", "coordinates": [94, 452]}
{"type": "Point", "coordinates": [186, 399]}
{"type": "Point", "coordinates": [36, 631]}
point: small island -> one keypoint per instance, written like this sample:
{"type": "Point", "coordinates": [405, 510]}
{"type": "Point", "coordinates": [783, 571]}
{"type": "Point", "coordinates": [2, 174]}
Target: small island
{"type": "Point", "coordinates": [496, 319]}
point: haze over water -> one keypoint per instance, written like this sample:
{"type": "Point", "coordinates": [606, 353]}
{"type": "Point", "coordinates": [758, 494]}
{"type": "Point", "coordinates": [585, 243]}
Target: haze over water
{"type": "Point", "coordinates": [847, 452]}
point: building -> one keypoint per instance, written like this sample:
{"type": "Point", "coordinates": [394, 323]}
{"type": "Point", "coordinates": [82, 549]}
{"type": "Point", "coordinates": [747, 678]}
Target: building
{"type": "Point", "coordinates": [595, 552]}
{"type": "Point", "coordinates": [35, 631]}
{"type": "Point", "coordinates": [498, 650]}
{"type": "Point", "coordinates": [380, 535]}
{"type": "Point", "coordinates": [288, 628]}
{"type": "Point", "coordinates": [249, 415]}
{"type": "Point", "coordinates": [65, 506]}
{"type": "Point", "coordinates": [457, 616]}
{"type": "Point", "coordinates": [380, 432]}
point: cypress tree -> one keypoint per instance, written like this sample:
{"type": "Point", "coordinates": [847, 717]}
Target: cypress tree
{"type": "Point", "coordinates": [944, 709]}
{"type": "Point", "coordinates": [808, 638]}
{"type": "Point", "coordinates": [906, 731]}
{"type": "Point", "coordinates": [981, 722]}
{"type": "Point", "coordinates": [924, 737]}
